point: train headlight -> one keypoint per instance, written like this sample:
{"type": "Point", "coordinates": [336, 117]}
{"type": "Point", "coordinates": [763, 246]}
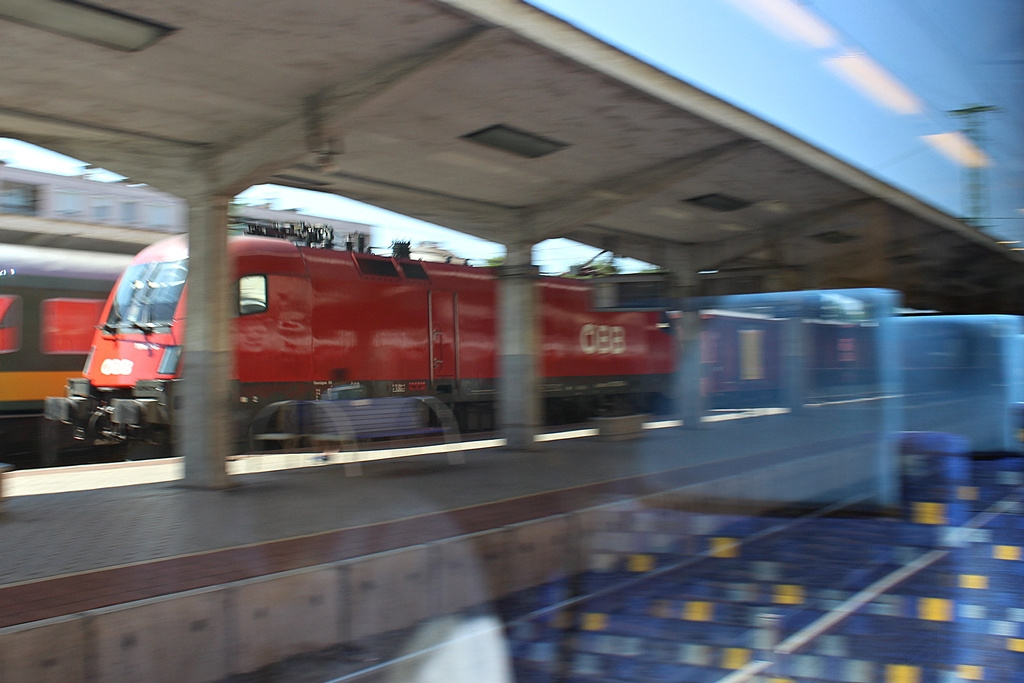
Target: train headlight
{"type": "Point", "coordinates": [169, 361]}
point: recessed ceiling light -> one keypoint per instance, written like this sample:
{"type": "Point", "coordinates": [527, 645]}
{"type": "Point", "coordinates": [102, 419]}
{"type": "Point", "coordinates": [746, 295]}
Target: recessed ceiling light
{"type": "Point", "coordinates": [719, 202]}
{"type": "Point", "coordinates": [515, 141]}
{"type": "Point", "coordinates": [85, 22]}
{"type": "Point", "coordinates": [834, 237]}
{"type": "Point", "coordinates": [774, 206]}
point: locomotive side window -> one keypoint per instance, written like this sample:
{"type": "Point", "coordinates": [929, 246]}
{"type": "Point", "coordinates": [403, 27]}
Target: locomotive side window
{"type": "Point", "coordinates": [10, 323]}
{"type": "Point", "coordinates": [68, 324]}
{"type": "Point", "coordinates": [252, 294]}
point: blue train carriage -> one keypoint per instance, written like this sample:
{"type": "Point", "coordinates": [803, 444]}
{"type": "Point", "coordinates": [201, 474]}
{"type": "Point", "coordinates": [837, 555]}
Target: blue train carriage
{"type": "Point", "coordinates": [963, 374]}
{"type": "Point", "coordinates": [50, 303]}
{"type": "Point", "coordinates": [763, 350]}
{"type": "Point", "coordinates": [843, 342]}
{"type": "Point", "coordinates": [740, 357]}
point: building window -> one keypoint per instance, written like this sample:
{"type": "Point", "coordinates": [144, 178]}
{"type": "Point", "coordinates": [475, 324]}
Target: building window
{"type": "Point", "coordinates": [158, 215]}
{"type": "Point", "coordinates": [102, 208]}
{"type": "Point", "coordinates": [10, 323]}
{"type": "Point", "coordinates": [129, 212]}
{"type": "Point", "coordinates": [18, 198]}
{"type": "Point", "coordinates": [69, 324]}
{"type": "Point", "coordinates": [68, 203]}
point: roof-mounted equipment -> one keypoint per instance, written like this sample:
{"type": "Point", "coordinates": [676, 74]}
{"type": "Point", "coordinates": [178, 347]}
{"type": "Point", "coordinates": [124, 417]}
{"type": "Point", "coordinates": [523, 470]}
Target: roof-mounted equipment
{"type": "Point", "coordinates": [316, 235]}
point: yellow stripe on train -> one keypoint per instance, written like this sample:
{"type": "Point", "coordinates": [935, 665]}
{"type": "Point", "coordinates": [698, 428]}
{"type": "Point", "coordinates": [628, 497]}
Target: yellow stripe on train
{"type": "Point", "coordinates": [33, 386]}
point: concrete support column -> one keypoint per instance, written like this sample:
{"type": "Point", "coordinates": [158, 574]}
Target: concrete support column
{"type": "Point", "coordinates": [887, 466]}
{"type": "Point", "coordinates": [519, 410]}
{"type": "Point", "coordinates": [689, 376]}
{"type": "Point", "coordinates": [688, 392]}
{"type": "Point", "coordinates": [207, 432]}
{"type": "Point", "coordinates": [794, 363]}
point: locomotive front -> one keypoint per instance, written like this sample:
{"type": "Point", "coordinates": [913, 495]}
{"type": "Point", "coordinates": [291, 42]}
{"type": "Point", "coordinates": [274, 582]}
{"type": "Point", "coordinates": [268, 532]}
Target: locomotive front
{"type": "Point", "coordinates": [126, 393]}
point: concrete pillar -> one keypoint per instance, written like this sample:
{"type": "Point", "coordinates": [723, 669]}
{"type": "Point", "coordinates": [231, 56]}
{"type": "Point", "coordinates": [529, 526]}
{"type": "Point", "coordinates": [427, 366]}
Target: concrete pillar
{"type": "Point", "coordinates": [689, 376]}
{"type": "Point", "coordinates": [887, 466]}
{"type": "Point", "coordinates": [794, 363]}
{"type": "Point", "coordinates": [206, 433]}
{"type": "Point", "coordinates": [519, 410]}
{"type": "Point", "coordinates": [688, 392]}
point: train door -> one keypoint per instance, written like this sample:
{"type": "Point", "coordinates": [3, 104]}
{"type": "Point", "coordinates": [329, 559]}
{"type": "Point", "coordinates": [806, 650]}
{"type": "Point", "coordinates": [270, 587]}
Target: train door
{"type": "Point", "coordinates": [443, 354]}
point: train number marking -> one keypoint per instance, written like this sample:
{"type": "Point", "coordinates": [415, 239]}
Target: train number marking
{"type": "Point", "coordinates": [602, 339]}
{"type": "Point", "coordinates": [117, 366]}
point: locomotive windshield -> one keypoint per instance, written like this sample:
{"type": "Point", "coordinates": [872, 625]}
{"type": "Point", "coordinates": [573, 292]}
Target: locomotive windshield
{"type": "Point", "coordinates": [148, 295]}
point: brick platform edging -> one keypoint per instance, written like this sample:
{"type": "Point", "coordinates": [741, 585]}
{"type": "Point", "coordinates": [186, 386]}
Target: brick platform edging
{"type": "Point", "coordinates": [209, 633]}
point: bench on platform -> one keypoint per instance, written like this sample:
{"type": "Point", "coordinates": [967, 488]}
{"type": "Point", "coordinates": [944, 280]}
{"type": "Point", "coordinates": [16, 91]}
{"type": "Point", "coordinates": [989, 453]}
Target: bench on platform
{"type": "Point", "coordinates": [348, 422]}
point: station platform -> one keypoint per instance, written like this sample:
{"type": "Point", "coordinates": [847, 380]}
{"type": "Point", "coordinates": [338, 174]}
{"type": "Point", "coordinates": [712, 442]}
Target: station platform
{"type": "Point", "coordinates": [132, 525]}
{"type": "Point", "coordinates": [112, 572]}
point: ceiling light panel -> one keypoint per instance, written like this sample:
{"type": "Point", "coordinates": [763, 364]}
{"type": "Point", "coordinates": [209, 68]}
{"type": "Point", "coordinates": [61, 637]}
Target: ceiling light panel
{"type": "Point", "coordinates": [834, 237]}
{"type": "Point", "coordinates": [515, 141]}
{"type": "Point", "coordinates": [790, 20]}
{"type": "Point", "coordinates": [718, 202]}
{"type": "Point", "coordinates": [875, 82]}
{"type": "Point", "coordinates": [85, 22]}
{"type": "Point", "coordinates": [958, 148]}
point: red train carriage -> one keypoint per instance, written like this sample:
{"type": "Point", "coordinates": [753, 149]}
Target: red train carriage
{"type": "Point", "coordinates": [312, 318]}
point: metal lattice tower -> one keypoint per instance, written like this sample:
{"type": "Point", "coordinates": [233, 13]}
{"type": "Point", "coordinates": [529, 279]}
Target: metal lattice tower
{"type": "Point", "coordinates": [975, 181]}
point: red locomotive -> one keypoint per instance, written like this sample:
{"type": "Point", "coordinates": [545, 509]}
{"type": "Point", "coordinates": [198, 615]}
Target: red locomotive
{"type": "Point", "coordinates": [311, 317]}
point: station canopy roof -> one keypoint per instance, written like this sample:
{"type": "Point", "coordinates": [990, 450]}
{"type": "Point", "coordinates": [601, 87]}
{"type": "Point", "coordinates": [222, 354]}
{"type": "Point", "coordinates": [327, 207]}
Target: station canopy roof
{"type": "Point", "coordinates": [485, 116]}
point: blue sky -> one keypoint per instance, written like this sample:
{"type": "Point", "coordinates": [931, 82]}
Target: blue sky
{"type": "Point", "coordinates": [931, 57]}
{"type": "Point", "coordinates": [945, 54]}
